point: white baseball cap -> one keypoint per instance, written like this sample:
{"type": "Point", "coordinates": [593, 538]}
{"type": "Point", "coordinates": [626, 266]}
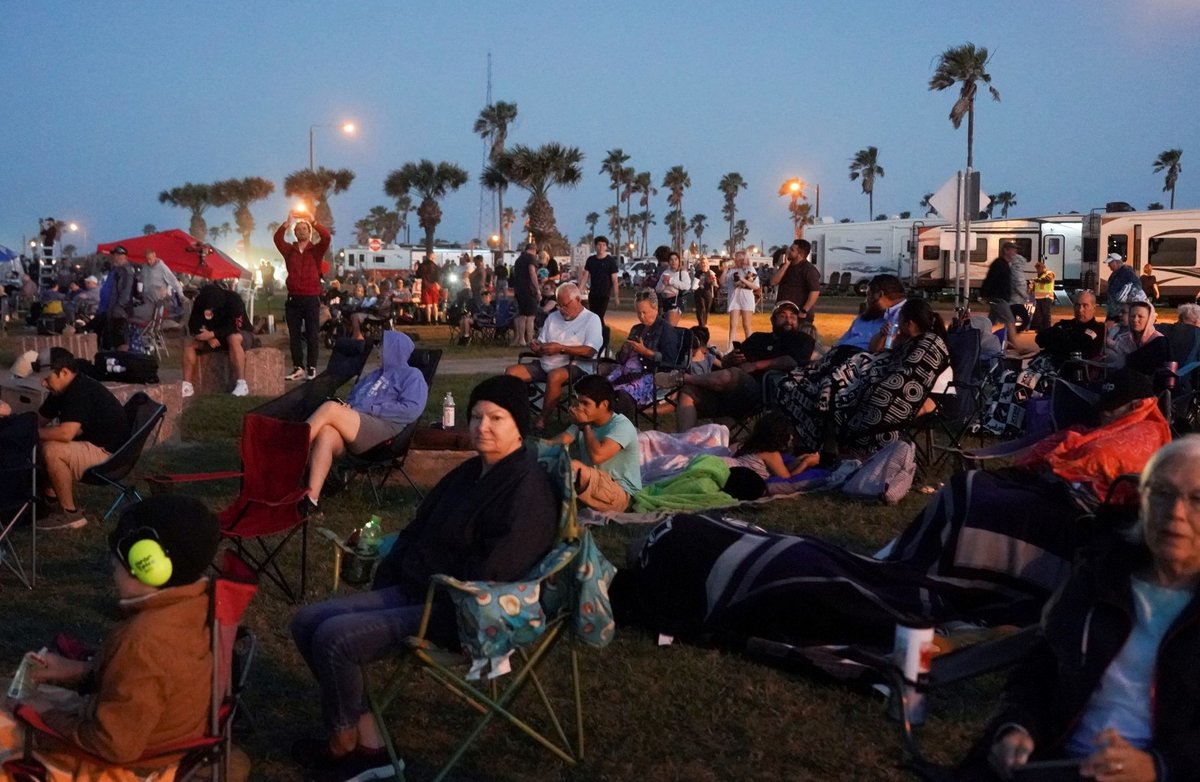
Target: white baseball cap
{"type": "Point", "coordinates": [1114, 257]}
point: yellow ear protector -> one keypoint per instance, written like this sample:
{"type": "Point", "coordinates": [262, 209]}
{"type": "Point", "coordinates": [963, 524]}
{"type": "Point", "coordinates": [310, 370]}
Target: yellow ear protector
{"type": "Point", "coordinates": [148, 561]}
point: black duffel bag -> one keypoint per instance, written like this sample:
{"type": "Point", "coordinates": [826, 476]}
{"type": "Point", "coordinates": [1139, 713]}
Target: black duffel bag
{"type": "Point", "coordinates": [124, 367]}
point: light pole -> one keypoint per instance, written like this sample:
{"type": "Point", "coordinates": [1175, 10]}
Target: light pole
{"type": "Point", "coordinates": [347, 127]}
{"type": "Point", "coordinates": [794, 189]}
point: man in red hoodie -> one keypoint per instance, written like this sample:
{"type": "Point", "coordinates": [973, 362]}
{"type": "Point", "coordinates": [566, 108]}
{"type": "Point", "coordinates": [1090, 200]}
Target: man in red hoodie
{"type": "Point", "coordinates": [304, 260]}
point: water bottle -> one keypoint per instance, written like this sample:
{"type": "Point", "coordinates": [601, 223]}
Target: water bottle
{"type": "Point", "coordinates": [368, 539]}
{"type": "Point", "coordinates": [1078, 373]}
{"type": "Point", "coordinates": [890, 339]}
{"type": "Point", "coordinates": [448, 411]}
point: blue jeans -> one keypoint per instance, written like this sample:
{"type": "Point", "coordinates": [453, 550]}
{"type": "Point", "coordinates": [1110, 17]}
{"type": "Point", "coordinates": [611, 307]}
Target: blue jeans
{"type": "Point", "coordinates": [338, 637]}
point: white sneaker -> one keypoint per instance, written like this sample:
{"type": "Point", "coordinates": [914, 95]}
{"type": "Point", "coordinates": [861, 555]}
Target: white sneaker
{"type": "Point", "coordinates": [61, 519]}
{"type": "Point", "coordinates": [186, 389]}
{"type": "Point", "coordinates": [241, 389]}
{"type": "Point", "coordinates": [312, 373]}
{"type": "Point", "coordinates": [297, 373]}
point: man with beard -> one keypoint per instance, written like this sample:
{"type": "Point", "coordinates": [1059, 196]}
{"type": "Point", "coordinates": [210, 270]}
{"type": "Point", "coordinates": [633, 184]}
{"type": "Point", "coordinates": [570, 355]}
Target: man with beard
{"type": "Point", "coordinates": [885, 297]}
{"type": "Point", "coordinates": [737, 390]}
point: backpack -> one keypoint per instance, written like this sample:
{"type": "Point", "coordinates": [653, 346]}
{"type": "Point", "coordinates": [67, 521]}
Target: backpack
{"type": "Point", "coordinates": [887, 475]}
{"type": "Point", "coordinates": [998, 282]}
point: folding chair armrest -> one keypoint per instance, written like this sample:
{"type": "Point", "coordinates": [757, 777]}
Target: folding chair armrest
{"type": "Point", "coordinates": [161, 480]}
{"type": "Point", "coordinates": [32, 720]}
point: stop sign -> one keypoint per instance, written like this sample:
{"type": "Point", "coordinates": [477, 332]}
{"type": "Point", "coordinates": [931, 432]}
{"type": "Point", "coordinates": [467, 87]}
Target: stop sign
{"type": "Point", "coordinates": [375, 245]}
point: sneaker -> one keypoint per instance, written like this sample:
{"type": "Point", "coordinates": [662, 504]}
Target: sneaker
{"type": "Point", "coordinates": [187, 389]}
{"type": "Point", "coordinates": [241, 389]}
{"type": "Point", "coordinates": [297, 373]}
{"type": "Point", "coordinates": [312, 373]}
{"type": "Point", "coordinates": [62, 519]}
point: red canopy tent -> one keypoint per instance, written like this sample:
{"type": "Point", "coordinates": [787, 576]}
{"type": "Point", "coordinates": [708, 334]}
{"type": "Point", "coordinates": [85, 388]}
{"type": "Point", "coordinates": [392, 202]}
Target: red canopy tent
{"type": "Point", "coordinates": [182, 254]}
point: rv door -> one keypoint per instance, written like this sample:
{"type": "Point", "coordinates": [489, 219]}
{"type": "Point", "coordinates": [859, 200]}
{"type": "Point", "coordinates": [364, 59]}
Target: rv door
{"type": "Point", "coordinates": [1053, 252]}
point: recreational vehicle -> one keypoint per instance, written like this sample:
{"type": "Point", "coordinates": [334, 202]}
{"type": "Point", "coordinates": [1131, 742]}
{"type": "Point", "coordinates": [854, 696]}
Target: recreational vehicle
{"type": "Point", "coordinates": [392, 260]}
{"type": "Point", "coordinates": [1168, 240]}
{"type": "Point", "coordinates": [1056, 240]}
{"type": "Point", "coordinates": [864, 249]}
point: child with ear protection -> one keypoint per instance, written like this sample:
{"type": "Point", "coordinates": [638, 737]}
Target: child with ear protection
{"type": "Point", "coordinates": [150, 683]}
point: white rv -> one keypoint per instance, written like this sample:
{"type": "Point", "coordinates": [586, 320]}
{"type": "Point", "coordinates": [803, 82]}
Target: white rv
{"type": "Point", "coordinates": [1167, 239]}
{"type": "Point", "coordinates": [390, 259]}
{"type": "Point", "coordinates": [1056, 240]}
{"type": "Point", "coordinates": [864, 249]}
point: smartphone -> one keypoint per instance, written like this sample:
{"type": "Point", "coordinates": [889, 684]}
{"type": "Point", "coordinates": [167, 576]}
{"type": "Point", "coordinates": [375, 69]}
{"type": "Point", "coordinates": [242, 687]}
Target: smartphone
{"type": "Point", "coordinates": [737, 346]}
{"type": "Point", "coordinates": [1066, 770]}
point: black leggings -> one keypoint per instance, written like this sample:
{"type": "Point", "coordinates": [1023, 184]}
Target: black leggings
{"type": "Point", "coordinates": [303, 314]}
{"type": "Point", "coordinates": [598, 305]}
{"type": "Point", "coordinates": [704, 300]}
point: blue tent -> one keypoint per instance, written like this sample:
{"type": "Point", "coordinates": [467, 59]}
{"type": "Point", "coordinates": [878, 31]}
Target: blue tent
{"type": "Point", "coordinates": [6, 254]}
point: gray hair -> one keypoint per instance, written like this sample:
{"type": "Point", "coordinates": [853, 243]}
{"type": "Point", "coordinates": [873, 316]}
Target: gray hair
{"type": "Point", "coordinates": [570, 289]}
{"type": "Point", "coordinates": [1189, 313]}
{"type": "Point", "coordinates": [1083, 293]}
{"type": "Point", "coordinates": [1184, 449]}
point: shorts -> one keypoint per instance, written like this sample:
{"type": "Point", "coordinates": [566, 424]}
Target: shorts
{"type": "Point", "coordinates": [431, 293]}
{"type": "Point", "coordinates": [247, 342]}
{"type": "Point", "coordinates": [527, 304]}
{"type": "Point", "coordinates": [537, 374]}
{"type": "Point", "coordinates": [743, 399]}
{"type": "Point", "coordinates": [372, 431]}
{"type": "Point", "coordinates": [80, 456]}
{"type": "Point", "coordinates": [597, 489]}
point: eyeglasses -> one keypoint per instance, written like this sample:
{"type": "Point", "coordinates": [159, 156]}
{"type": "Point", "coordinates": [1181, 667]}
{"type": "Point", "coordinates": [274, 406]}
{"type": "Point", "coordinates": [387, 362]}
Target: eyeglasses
{"type": "Point", "coordinates": [1166, 494]}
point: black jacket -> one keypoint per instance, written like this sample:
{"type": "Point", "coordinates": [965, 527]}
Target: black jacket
{"type": "Point", "coordinates": [1084, 626]}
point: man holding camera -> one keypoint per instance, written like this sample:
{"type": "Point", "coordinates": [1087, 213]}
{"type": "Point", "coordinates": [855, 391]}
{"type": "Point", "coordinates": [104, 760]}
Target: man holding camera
{"type": "Point", "coordinates": [304, 259]}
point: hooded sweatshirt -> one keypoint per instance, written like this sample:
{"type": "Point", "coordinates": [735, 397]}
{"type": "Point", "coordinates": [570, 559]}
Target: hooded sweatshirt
{"type": "Point", "coordinates": [395, 392]}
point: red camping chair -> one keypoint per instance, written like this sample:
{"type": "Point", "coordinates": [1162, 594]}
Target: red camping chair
{"type": "Point", "coordinates": [233, 649]}
{"type": "Point", "coordinates": [274, 459]}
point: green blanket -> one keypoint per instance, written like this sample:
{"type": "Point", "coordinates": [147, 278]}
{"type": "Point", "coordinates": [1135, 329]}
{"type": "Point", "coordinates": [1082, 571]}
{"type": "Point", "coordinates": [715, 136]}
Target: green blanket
{"type": "Point", "coordinates": [696, 488]}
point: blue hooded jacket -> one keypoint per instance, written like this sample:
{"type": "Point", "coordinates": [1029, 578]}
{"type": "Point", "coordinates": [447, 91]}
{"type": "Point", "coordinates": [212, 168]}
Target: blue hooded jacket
{"type": "Point", "coordinates": [395, 392]}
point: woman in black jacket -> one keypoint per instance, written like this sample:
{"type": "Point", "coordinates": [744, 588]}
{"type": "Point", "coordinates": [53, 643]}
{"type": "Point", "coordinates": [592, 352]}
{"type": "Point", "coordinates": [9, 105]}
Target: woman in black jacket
{"type": "Point", "coordinates": [1114, 683]}
{"type": "Point", "coordinates": [492, 518]}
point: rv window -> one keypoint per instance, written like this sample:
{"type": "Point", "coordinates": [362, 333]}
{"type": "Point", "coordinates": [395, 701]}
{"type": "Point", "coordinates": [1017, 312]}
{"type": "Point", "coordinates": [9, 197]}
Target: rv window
{"type": "Point", "coordinates": [1173, 251]}
{"type": "Point", "coordinates": [873, 249]}
{"type": "Point", "coordinates": [1053, 245]}
{"type": "Point", "coordinates": [380, 258]}
{"type": "Point", "coordinates": [980, 253]}
{"type": "Point", "coordinates": [931, 252]}
{"type": "Point", "coordinates": [1024, 246]}
{"type": "Point", "coordinates": [1118, 243]}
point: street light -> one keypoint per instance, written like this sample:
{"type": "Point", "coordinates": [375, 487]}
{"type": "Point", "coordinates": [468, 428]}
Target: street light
{"type": "Point", "coordinates": [347, 127]}
{"type": "Point", "coordinates": [77, 228]}
{"type": "Point", "coordinates": [794, 189]}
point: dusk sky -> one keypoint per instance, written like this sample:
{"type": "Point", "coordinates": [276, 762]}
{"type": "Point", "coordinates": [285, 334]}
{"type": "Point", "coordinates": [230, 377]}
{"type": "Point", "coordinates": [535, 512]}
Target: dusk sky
{"type": "Point", "coordinates": [109, 103]}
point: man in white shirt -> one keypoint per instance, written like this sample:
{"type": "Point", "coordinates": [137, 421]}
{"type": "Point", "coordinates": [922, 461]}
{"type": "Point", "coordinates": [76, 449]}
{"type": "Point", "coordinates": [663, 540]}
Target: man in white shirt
{"type": "Point", "coordinates": [570, 332]}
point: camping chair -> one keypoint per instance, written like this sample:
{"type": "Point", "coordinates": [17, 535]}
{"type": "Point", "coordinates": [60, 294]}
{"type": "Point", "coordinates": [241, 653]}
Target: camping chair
{"type": "Point", "coordinates": [569, 610]}
{"type": "Point", "coordinates": [389, 456]}
{"type": "Point", "coordinates": [152, 333]}
{"type": "Point", "coordinates": [233, 647]}
{"type": "Point", "coordinates": [957, 404]}
{"type": "Point", "coordinates": [144, 416]}
{"type": "Point", "coordinates": [498, 326]}
{"type": "Point", "coordinates": [670, 370]}
{"type": "Point", "coordinates": [18, 490]}
{"type": "Point", "coordinates": [274, 459]}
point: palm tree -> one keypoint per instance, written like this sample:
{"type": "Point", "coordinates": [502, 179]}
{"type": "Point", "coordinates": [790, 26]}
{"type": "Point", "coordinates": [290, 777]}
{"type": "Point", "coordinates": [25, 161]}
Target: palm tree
{"type": "Point", "coordinates": [495, 178]}
{"type": "Point", "coordinates": [928, 207]}
{"type": "Point", "coordinates": [149, 228]}
{"type": "Point", "coordinates": [69, 250]}
{"type": "Point", "coordinates": [697, 225]}
{"type": "Point", "coordinates": [801, 216]}
{"type": "Point", "coordinates": [739, 234]}
{"type": "Point", "coordinates": [315, 187]}
{"type": "Point", "coordinates": [730, 184]}
{"type": "Point", "coordinates": [272, 227]}
{"type": "Point", "coordinates": [537, 170]}
{"type": "Point", "coordinates": [591, 219]}
{"type": "Point", "coordinates": [492, 124]}
{"type": "Point", "coordinates": [966, 65]}
{"type": "Point", "coordinates": [646, 219]}
{"type": "Point", "coordinates": [643, 185]}
{"type": "Point", "coordinates": [432, 181]}
{"type": "Point", "coordinates": [614, 165]}
{"type": "Point", "coordinates": [1168, 160]}
{"type": "Point", "coordinates": [613, 213]}
{"type": "Point", "coordinates": [676, 180]}
{"type": "Point", "coordinates": [1005, 200]}
{"type": "Point", "coordinates": [507, 218]}
{"type": "Point", "coordinates": [379, 222]}
{"type": "Point", "coordinates": [241, 193]}
{"type": "Point", "coordinates": [865, 164]}
{"type": "Point", "coordinates": [195, 198]}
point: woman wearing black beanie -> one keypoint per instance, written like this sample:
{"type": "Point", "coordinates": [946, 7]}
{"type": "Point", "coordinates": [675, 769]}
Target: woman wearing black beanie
{"type": "Point", "coordinates": [491, 518]}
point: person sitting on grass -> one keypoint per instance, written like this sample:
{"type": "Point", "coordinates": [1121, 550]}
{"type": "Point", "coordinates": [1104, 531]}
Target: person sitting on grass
{"type": "Point", "coordinates": [491, 518]}
{"type": "Point", "coordinates": [604, 446]}
{"type": "Point", "coordinates": [381, 404]}
{"type": "Point", "coordinates": [218, 322]}
{"type": "Point", "coordinates": [150, 684]}
{"type": "Point", "coordinates": [91, 426]}
{"type": "Point", "coordinates": [570, 332]}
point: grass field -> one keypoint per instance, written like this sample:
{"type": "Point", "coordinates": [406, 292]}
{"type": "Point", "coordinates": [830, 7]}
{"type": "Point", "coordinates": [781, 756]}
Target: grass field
{"type": "Point", "coordinates": [654, 713]}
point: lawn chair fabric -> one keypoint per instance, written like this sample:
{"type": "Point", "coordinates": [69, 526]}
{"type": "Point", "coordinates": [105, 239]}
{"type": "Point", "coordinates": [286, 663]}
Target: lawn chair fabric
{"type": "Point", "coordinates": [18, 491]}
